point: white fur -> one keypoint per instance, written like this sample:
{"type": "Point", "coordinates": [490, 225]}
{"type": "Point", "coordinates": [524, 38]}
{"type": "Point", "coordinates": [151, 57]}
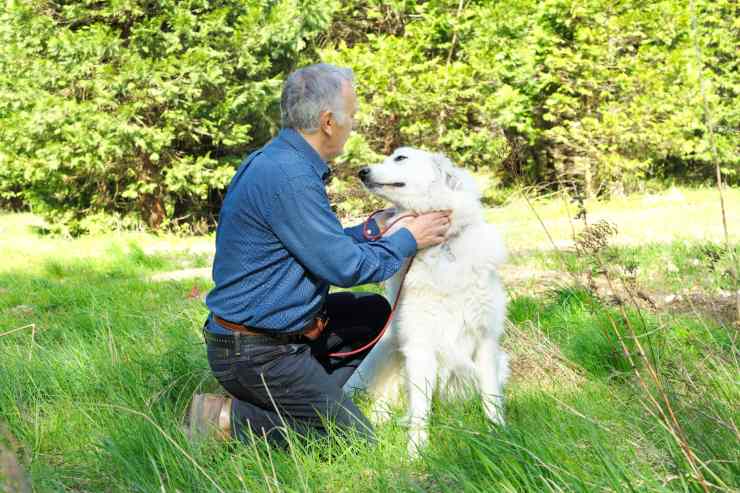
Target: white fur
{"type": "Point", "coordinates": [450, 317]}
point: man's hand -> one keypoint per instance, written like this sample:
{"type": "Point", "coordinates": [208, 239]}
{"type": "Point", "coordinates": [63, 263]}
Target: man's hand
{"type": "Point", "coordinates": [427, 229]}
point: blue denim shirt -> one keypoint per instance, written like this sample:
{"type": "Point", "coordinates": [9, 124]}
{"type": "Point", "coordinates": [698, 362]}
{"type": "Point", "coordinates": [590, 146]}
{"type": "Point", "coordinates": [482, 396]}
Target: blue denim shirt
{"type": "Point", "coordinates": [279, 245]}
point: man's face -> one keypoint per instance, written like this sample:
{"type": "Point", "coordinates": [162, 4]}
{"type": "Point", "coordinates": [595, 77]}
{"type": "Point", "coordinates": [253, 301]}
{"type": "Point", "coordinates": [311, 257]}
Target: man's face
{"type": "Point", "coordinates": [342, 129]}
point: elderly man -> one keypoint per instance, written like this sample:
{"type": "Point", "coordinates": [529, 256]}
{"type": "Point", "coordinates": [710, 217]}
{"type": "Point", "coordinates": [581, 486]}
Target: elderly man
{"type": "Point", "coordinates": [273, 323]}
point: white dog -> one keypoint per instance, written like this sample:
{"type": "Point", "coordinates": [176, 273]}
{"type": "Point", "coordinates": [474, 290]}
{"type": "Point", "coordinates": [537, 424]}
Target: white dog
{"type": "Point", "coordinates": [450, 317]}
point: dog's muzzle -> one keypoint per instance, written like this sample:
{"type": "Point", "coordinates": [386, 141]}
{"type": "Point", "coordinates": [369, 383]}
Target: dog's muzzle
{"type": "Point", "coordinates": [364, 174]}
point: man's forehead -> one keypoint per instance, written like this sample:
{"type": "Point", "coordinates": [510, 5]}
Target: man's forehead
{"type": "Point", "coordinates": [349, 94]}
{"type": "Point", "coordinates": [348, 86]}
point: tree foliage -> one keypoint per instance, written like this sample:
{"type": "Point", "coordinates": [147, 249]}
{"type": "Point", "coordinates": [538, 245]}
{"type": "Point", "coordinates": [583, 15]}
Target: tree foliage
{"type": "Point", "coordinates": [593, 93]}
{"type": "Point", "coordinates": [141, 109]}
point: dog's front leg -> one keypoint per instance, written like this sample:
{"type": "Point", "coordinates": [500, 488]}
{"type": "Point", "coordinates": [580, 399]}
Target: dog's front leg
{"type": "Point", "coordinates": [421, 371]}
{"type": "Point", "coordinates": [491, 365]}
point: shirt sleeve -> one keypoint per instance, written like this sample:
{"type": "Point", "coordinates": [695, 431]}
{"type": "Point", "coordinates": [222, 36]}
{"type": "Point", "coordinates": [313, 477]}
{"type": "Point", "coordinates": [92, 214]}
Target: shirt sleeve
{"type": "Point", "coordinates": [355, 232]}
{"type": "Point", "coordinates": [302, 219]}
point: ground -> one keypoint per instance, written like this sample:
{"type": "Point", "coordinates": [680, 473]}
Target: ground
{"type": "Point", "coordinates": [625, 364]}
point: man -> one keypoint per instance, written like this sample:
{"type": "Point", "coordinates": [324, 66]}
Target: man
{"type": "Point", "coordinates": [279, 246]}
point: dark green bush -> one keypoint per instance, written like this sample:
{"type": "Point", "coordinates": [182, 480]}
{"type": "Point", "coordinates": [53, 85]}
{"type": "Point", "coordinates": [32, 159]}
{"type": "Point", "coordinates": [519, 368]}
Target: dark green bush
{"type": "Point", "coordinates": [552, 91]}
{"type": "Point", "coordinates": [137, 111]}
{"type": "Point", "coordinates": [140, 108]}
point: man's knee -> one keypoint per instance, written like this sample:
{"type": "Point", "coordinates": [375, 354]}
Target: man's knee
{"type": "Point", "coordinates": [377, 309]}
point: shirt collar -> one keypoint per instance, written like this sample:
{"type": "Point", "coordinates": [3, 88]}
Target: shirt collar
{"type": "Point", "coordinates": [296, 140]}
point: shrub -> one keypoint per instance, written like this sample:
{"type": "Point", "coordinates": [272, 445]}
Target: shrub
{"type": "Point", "coordinates": [140, 108]}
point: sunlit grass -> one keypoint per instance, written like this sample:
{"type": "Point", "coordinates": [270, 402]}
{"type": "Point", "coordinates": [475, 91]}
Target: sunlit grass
{"type": "Point", "coordinates": [677, 214]}
{"type": "Point", "coordinates": [96, 382]}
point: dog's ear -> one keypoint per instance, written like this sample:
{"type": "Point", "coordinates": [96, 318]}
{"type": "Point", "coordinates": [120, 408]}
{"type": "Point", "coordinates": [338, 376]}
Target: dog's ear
{"type": "Point", "coordinates": [452, 181]}
{"type": "Point", "coordinates": [447, 172]}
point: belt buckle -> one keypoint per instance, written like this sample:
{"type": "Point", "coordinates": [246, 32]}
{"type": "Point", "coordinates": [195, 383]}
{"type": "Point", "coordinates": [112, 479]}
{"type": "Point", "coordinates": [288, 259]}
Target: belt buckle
{"type": "Point", "coordinates": [318, 326]}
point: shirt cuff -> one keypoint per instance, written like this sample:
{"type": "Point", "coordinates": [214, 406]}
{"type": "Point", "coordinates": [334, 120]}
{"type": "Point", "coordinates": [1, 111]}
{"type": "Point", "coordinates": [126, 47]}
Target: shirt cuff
{"type": "Point", "coordinates": [358, 232]}
{"type": "Point", "coordinates": [373, 227]}
{"type": "Point", "coordinates": [404, 240]}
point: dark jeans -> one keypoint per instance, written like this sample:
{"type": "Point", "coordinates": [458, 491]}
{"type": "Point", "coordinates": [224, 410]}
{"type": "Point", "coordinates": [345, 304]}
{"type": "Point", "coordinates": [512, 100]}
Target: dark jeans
{"type": "Point", "coordinates": [298, 384]}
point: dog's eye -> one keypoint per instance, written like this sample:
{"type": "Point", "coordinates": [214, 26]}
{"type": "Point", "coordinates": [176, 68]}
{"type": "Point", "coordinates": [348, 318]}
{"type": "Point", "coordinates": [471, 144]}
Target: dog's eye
{"type": "Point", "coordinates": [399, 158]}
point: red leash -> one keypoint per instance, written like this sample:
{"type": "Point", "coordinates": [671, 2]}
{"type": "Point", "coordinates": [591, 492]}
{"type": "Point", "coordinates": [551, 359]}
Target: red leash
{"type": "Point", "coordinates": [368, 235]}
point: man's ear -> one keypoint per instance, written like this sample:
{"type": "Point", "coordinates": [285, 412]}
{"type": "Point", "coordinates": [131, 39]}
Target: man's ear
{"type": "Point", "coordinates": [327, 122]}
{"type": "Point", "coordinates": [447, 172]}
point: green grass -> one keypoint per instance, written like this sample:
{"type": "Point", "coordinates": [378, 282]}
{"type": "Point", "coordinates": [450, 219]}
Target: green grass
{"type": "Point", "coordinates": [95, 398]}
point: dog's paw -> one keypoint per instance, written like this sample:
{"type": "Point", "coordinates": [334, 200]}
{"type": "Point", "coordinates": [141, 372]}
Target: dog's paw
{"type": "Point", "coordinates": [418, 437]}
{"type": "Point", "coordinates": [380, 416]}
{"type": "Point", "coordinates": [380, 412]}
{"type": "Point", "coordinates": [495, 414]}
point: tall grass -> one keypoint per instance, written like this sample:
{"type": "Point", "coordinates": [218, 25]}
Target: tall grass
{"type": "Point", "coordinates": [97, 397]}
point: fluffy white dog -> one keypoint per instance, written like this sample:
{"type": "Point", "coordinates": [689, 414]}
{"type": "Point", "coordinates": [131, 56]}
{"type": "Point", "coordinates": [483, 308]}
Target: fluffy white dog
{"type": "Point", "coordinates": [446, 330]}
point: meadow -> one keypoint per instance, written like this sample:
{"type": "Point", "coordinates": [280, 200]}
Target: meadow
{"type": "Point", "coordinates": [625, 364]}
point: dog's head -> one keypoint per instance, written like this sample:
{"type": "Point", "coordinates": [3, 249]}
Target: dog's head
{"type": "Point", "coordinates": [420, 181]}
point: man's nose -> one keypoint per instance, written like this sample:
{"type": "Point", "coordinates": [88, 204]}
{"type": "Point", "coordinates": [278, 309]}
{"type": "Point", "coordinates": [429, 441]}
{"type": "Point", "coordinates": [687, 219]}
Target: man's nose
{"type": "Point", "coordinates": [364, 173]}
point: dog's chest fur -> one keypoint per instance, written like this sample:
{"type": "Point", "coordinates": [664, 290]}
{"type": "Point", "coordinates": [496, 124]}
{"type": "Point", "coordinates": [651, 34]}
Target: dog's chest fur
{"type": "Point", "coordinates": [450, 267]}
{"type": "Point", "coordinates": [451, 285]}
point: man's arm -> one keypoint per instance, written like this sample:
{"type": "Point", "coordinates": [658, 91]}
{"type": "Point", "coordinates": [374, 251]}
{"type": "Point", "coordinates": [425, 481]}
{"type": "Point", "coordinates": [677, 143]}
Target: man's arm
{"type": "Point", "coordinates": [301, 217]}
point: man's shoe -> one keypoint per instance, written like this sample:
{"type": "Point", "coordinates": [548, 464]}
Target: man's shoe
{"type": "Point", "coordinates": [209, 414]}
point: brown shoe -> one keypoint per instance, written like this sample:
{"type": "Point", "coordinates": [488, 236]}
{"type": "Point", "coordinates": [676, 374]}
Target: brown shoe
{"type": "Point", "coordinates": [209, 414]}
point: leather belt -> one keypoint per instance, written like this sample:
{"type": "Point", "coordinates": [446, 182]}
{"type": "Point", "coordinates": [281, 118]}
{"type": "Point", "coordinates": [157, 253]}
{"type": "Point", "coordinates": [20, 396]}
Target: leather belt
{"type": "Point", "coordinates": [243, 329]}
{"type": "Point", "coordinates": [238, 339]}
{"type": "Point", "coordinates": [311, 332]}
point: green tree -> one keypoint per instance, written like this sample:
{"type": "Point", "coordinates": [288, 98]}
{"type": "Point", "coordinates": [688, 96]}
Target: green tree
{"type": "Point", "coordinates": [592, 94]}
{"type": "Point", "coordinates": [140, 108]}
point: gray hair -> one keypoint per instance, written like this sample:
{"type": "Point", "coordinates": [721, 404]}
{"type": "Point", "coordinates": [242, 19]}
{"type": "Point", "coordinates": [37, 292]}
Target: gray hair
{"type": "Point", "coordinates": [311, 90]}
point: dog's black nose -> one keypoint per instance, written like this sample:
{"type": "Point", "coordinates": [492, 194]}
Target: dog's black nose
{"type": "Point", "coordinates": [364, 173]}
